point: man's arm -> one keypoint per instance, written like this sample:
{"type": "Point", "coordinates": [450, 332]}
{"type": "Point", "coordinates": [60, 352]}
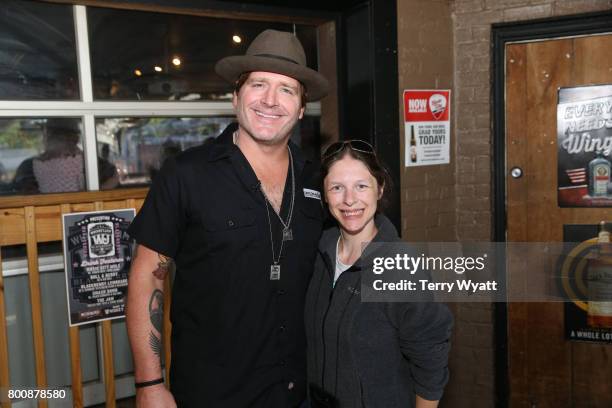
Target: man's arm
{"type": "Point", "coordinates": [144, 318]}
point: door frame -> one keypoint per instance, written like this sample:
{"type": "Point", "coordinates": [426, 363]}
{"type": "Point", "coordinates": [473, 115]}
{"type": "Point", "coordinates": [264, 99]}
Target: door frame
{"type": "Point", "coordinates": [502, 34]}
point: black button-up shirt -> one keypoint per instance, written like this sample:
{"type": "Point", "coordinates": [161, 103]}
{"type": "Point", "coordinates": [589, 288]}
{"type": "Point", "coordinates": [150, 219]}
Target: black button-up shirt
{"type": "Point", "coordinates": [237, 337]}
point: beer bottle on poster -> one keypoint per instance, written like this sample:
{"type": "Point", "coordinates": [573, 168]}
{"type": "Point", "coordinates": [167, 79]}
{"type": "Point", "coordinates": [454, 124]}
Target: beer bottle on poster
{"type": "Point", "coordinates": [599, 281]}
{"type": "Point", "coordinates": [599, 175]}
{"type": "Point", "coordinates": [413, 149]}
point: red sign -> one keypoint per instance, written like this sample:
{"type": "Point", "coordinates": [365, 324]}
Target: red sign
{"type": "Point", "coordinates": [426, 105]}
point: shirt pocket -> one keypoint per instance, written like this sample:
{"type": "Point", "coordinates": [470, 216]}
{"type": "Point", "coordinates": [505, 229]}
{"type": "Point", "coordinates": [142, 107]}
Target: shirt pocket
{"type": "Point", "coordinates": [229, 221]}
{"type": "Point", "coordinates": [228, 231]}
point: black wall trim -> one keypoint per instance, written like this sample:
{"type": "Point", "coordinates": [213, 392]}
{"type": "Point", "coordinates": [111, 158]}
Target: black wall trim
{"type": "Point", "coordinates": [584, 24]}
{"type": "Point", "coordinates": [369, 107]}
{"type": "Point", "coordinates": [298, 8]}
{"type": "Point", "coordinates": [386, 135]}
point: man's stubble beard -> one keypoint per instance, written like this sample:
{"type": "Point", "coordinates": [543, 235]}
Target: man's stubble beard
{"type": "Point", "coordinates": [278, 139]}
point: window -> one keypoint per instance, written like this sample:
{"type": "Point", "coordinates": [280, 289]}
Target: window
{"type": "Point", "coordinates": [133, 149]}
{"type": "Point", "coordinates": [139, 55]}
{"type": "Point", "coordinates": [37, 52]}
{"type": "Point", "coordinates": [41, 156]}
{"type": "Point", "coordinates": [137, 86]}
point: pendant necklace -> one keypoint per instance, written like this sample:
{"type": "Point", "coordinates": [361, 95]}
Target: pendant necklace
{"type": "Point", "coordinates": [287, 234]}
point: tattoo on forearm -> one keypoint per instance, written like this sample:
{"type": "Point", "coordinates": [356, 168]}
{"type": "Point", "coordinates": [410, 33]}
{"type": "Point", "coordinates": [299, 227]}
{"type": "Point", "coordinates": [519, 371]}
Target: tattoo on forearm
{"type": "Point", "coordinates": [156, 314]}
{"type": "Point", "coordinates": [163, 266]}
{"type": "Point", "coordinates": [155, 343]}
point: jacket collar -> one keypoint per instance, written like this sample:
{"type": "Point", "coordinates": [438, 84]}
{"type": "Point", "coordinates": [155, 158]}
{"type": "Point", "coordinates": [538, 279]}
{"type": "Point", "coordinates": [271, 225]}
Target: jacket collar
{"type": "Point", "coordinates": [329, 239]}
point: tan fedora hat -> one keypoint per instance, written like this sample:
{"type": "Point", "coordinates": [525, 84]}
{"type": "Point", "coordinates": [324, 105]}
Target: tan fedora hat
{"type": "Point", "coordinates": [279, 52]}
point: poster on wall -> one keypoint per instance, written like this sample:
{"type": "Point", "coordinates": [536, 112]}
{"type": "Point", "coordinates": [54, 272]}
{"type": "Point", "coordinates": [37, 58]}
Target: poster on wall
{"type": "Point", "coordinates": [427, 127]}
{"type": "Point", "coordinates": [584, 145]}
{"type": "Point", "coordinates": [586, 281]}
{"type": "Point", "coordinates": [97, 257]}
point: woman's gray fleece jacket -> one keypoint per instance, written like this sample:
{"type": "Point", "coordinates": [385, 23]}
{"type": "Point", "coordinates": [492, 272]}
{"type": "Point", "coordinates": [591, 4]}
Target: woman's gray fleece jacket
{"type": "Point", "coordinates": [372, 354]}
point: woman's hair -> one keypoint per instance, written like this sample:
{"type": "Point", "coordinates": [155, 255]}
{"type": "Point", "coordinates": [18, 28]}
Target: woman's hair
{"type": "Point", "coordinates": [377, 169]}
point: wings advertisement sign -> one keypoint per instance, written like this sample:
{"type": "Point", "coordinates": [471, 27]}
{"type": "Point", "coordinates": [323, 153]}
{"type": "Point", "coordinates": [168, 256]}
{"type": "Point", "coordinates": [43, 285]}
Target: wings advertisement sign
{"type": "Point", "coordinates": [584, 140]}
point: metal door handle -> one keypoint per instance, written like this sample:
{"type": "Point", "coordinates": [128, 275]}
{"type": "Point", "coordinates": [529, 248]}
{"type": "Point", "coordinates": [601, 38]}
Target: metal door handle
{"type": "Point", "coordinates": [516, 172]}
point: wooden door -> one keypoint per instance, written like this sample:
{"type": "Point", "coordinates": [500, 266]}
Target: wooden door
{"type": "Point", "coordinates": [545, 369]}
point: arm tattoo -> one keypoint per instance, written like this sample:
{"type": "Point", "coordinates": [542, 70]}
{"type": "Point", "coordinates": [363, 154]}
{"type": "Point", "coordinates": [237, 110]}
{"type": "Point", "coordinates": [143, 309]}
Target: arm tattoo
{"type": "Point", "coordinates": [156, 314]}
{"type": "Point", "coordinates": [163, 266]}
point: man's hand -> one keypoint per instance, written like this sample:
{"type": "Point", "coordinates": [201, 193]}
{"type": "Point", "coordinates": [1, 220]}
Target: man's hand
{"type": "Point", "coordinates": [155, 396]}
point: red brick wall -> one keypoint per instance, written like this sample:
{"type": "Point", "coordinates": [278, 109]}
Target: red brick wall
{"type": "Point", "coordinates": [446, 44]}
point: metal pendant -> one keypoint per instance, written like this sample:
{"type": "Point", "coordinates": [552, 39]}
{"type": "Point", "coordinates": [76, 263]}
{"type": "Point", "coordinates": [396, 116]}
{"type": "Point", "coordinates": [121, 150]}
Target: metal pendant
{"type": "Point", "coordinates": [274, 272]}
{"type": "Point", "coordinates": [287, 234]}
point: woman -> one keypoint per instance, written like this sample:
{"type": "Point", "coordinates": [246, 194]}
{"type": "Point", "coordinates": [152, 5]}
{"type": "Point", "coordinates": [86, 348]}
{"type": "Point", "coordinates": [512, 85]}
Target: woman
{"type": "Point", "coordinates": [61, 167]}
{"type": "Point", "coordinates": [366, 354]}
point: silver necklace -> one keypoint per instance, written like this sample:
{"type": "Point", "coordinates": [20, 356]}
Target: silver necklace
{"type": "Point", "coordinates": [287, 234]}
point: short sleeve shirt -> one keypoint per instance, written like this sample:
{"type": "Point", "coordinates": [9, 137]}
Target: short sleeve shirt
{"type": "Point", "coordinates": [237, 335]}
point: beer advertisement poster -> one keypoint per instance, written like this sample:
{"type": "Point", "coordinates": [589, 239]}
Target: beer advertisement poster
{"type": "Point", "coordinates": [585, 318]}
{"type": "Point", "coordinates": [584, 144]}
{"type": "Point", "coordinates": [97, 257]}
{"type": "Point", "coordinates": [427, 127]}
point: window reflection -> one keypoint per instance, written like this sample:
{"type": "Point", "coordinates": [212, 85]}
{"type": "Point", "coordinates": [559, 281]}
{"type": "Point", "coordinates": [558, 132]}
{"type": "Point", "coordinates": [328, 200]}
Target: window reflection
{"type": "Point", "coordinates": [41, 156]}
{"type": "Point", "coordinates": [37, 51]}
{"type": "Point", "coordinates": [136, 147]}
{"type": "Point", "coordinates": [46, 155]}
{"type": "Point", "coordinates": [138, 55]}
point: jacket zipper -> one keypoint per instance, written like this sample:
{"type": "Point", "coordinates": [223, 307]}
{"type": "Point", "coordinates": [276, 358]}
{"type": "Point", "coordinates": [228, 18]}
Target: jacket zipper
{"type": "Point", "coordinates": [329, 302]}
{"type": "Point", "coordinates": [362, 402]}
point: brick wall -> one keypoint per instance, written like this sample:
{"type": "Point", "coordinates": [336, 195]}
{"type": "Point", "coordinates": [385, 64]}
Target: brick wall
{"type": "Point", "coordinates": [453, 202]}
{"type": "Point", "coordinates": [426, 61]}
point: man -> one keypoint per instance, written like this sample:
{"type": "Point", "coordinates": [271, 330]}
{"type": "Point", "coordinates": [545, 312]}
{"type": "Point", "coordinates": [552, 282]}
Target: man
{"type": "Point", "coordinates": [240, 219]}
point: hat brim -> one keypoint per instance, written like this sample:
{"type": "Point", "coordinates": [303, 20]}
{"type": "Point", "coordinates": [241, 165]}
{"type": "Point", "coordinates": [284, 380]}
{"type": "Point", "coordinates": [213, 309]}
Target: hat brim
{"type": "Point", "coordinates": [230, 68]}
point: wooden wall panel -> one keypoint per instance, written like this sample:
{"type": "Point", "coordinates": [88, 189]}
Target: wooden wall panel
{"type": "Point", "coordinates": [31, 225]}
{"type": "Point", "coordinates": [547, 361]}
{"type": "Point", "coordinates": [12, 226]}
{"type": "Point", "coordinates": [115, 205]}
{"type": "Point", "coordinates": [4, 367]}
{"type": "Point", "coordinates": [83, 207]}
{"type": "Point", "coordinates": [48, 223]}
{"type": "Point", "coordinates": [516, 145]}
{"type": "Point", "coordinates": [35, 301]}
{"type": "Point", "coordinates": [592, 60]}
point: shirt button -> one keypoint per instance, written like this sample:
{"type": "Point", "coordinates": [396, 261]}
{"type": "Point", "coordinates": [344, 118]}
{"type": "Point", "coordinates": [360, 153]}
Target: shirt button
{"type": "Point", "coordinates": [281, 292]}
{"type": "Point", "coordinates": [290, 386]}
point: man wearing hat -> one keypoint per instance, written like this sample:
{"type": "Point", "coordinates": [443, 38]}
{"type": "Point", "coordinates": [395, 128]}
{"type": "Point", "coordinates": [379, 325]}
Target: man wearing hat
{"type": "Point", "coordinates": [240, 219]}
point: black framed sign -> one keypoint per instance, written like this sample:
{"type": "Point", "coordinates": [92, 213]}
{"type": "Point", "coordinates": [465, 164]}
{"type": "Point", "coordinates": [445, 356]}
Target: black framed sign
{"type": "Point", "coordinates": [584, 140]}
{"type": "Point", "coordinates": [97, 258]}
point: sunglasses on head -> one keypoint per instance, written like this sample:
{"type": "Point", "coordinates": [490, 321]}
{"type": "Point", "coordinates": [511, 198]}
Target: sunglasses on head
{"type": "Point", "coordinates": [355, 144]}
